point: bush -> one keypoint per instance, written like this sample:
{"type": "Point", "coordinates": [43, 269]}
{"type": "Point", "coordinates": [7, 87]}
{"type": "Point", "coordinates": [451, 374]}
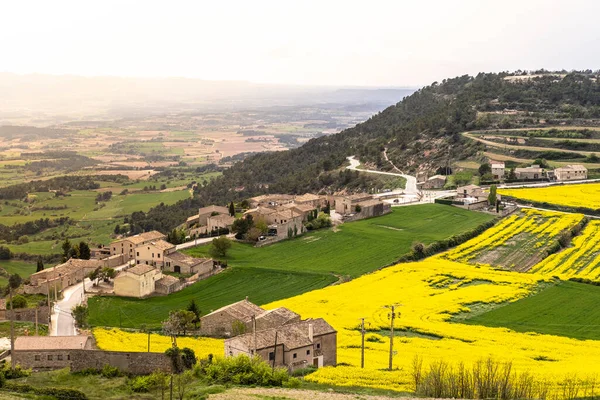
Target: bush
{"type": "Point", "coordinates": [243, 370]}
{"type": "Point", "coordinates": [18, 301]}
{"type": "Point", "coordinates": [57, 393]}
{"type": "Point", "coordinates": [110, 372]}
{"type": "Point", "coordinates": [17, 372]}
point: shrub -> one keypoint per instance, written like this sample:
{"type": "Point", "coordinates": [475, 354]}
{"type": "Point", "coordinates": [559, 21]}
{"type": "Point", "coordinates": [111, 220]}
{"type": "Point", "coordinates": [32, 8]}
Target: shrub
{"type": "Point", "coordinates": [18, 301]}
{"type": "Point", "coordinates": [110, 372]}
{"type": "Point", "coordinates": [243, 370]}
{"type": "Point", "coordinates": [57, 393]}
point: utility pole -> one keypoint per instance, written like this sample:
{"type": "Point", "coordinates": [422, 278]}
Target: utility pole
{"type": "Point", "coordinates": [392, 316]}
{"type": "Point", "coordinates": [275, 352]}
{"type": "Point", "coordinates": [148, 341]}
{"type": "Point", "coordinates": [362, 348]}
{"type": "Point", "coordinates": [254, 333]}
{"type": "Point", "coordinates": [12, 329]}
{"type": "Point", "coordinates": [36, 321]}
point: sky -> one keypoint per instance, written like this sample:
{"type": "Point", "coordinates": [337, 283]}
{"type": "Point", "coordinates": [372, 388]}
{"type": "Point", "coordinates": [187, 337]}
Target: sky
{"type": "Point", "coordinates": [357, 43]}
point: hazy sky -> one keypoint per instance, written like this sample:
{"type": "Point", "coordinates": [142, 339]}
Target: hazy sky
{"type": "Point", "coordinates": [306, 42]}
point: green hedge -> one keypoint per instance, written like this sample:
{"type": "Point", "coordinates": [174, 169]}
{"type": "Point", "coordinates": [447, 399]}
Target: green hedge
{"type": "Point", "coordinates": [58, 393]}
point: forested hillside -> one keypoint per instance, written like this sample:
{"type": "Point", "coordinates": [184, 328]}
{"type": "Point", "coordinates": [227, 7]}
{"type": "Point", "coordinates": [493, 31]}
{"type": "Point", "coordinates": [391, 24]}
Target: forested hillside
{"type": "Point", "coordinates": [421, 132]}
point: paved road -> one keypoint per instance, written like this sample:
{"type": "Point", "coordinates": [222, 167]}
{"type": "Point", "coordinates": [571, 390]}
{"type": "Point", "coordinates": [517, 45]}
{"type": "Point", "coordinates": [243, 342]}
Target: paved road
{"type": "Point", "coordinates": [411, 181]}
{"type": "Point", "coordinates": [198, 242]}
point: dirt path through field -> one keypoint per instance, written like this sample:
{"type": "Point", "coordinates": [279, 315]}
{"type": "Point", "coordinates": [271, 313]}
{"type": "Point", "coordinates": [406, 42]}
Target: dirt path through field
{"type": "Point", "coordinates": [291, 394]}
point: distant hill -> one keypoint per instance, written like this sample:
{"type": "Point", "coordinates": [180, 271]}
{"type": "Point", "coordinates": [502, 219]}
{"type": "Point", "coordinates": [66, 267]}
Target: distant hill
{"type": "Point", "coordinates": [421, 132]}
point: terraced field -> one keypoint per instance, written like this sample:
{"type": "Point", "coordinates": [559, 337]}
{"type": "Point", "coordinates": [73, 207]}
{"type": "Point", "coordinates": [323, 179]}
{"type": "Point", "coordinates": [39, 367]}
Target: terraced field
{"type": "Point", "coordinates": [518, 242]}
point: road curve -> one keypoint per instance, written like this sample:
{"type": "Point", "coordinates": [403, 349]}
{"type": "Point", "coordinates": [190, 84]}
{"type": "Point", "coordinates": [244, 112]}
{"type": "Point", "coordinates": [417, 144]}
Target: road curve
{"type": "Point", "coordinates": [411, 181]}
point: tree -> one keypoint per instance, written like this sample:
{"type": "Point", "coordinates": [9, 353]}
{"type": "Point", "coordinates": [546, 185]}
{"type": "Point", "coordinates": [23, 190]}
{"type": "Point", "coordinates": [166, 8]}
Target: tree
{"type": "Point", "coordinates": [220, 246]}
{"type": "Point", "coordinates": [182, 382]}
{"type": "Point", "coordinates": [231, 209]}
{"type": "Point", "coordinates": [18, 301]}
{"type": "Point", "coordinates": [80, 312]}
{"type": "Point", "coordinates": [94, 275]}
{"type": "Point", "coordinates": [5, 253]}
{"type": "Point", "coordinates": [117, 229]}
{"type": "Point", "coordinates": [66, 248]}
{"type": "Point", "coordinates": [84, 251]}
{"type": "Point", "coordinates": [193, 307]}
{"type": "Point", "coordinates": [512, 175]}
{"type": "Point", "coordinates": [358, 208]}
{"type": "Point", "coordinates": [179, 321]}
{"type": "Point", "coordinates": [485, 169]}
{"type": "Point", "coordinates": [40, 265]}
{"type": "Point", "coordinates": [327, 208]}
{"type": "Point", "coordinates": [492, 196]}
{"type": "Point", "coordinates": [15, 280]}
{"type": "Point", "coordinates": [108, 273]}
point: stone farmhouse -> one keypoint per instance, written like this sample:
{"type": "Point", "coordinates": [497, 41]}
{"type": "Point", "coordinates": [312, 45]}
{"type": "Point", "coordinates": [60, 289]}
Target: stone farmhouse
{"type": "Point", "coordinates": [138, 281]}
{"type": "Point", "coordinates": [572, 172]}
{"type": "Point", "coordinates": [498, 170]}
{"type": "Point", "coordinates": [164, 255]}
{"type": "Point", "coordinates": [533, 172]}
{"type": "Point", "coordinates": [434, 182]}
{"type": "Point", "coordinates": [209, 219]}
{"type": "Point", "coordinates": [270, 200]}
{"type": "Point", "coordinates": [240, 317]}
{"type": "Point", "coordinates": [346, 204]}
{"type": "Point", "coordinates": [154, 252]}
{"type": "Point", "coordinates": [358, 206]}
{"type": "Point", "coordinates": [280, 220]}
{"type": "Point", "coordinates": [61, 276]}
{"type": "Point", "coordinates": [294, 345]}
{"type": "Point", "coordinates": [126, 246]}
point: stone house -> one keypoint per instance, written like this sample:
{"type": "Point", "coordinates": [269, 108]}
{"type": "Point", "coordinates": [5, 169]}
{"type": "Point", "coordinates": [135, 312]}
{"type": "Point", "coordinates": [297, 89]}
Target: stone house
{"type": "Point", "coordinates": [533, 172]}
{"type": "Point", "coordinates": [168, 284]}
{"type": "Point", "coordinates": [270, 200]}
{"type": "Point", "coordinates": [154, 252]}
{"type": "Point", "coordinates": [571, 172]}
{"type": "Point", "coordinates": [498, 170]}
{"type": "Point", "coordinates": [184, 264]}
{"type": "Point", "coordinates": [42, 353]}
{"type": "Point", "coordinates": [346, 204]}
{"type": "Point", "coordinates": [208, 219]}
{"type": "Point", "coordinates": [434, 182]}
{"type": "Point", "coordinates": [310, 199]}
{"type": "Point", "coordinates": [138, 281]}
{"type": "Point", "coordinates": [241, 317]}
{"type": "Point", "coordinates": [61, 276]}
{"type": "Point", "coordinates": [295, 345]}
{"type": "Point", "coordinates": [303, 209]}
{"type": "Point", "coordinates": [284, 221]}
{"type": "Point", "coordinates": [126, 246]}
{"type": "Point", "coordinates": [218, 222]}
{"type": "Point", "coordinates": [371, 208]}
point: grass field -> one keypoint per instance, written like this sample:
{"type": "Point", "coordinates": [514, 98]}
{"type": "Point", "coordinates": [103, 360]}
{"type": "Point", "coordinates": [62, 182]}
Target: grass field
{"type": "Point", "coordinates": [16, 267]}
{"type": "Point", "coordinates": [261, 286]}
{"type": "Point", "coordinates": [358, 247]}
{"type": "Point", "coordinates": [567, 309]}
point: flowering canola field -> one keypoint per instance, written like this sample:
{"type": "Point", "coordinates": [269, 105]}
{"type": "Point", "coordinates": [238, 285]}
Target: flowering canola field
{"type": "Point", "coordinates": [516, 242]}
{"type": "Point", "coordinates": [584, 195]}
{"type": "Point", "coordinates": [430, 292]}
{"type": "Point", "coordinates": [118, 340]}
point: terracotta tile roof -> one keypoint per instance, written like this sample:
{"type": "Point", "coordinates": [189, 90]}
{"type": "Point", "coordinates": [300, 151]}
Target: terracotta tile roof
{"type": "Point", "coordinates": [162, 244]}
{"type": "Point", "coordinates": [51, 342]}
{"type": "Point", "coordinates": [292, 336]}
{"type": "Point", "coordinates": [277, 317]}
{"type": "Point", "coordinates": [369, 203]}
{"type": "Point", "coordinates": [225, 218]}
{"type": "Point", "coordinates": [140, 269]}
{"type": "Point", "coordinates": [242, 310]}
{"type": "Point", "coordinates": [145, 237]}
{"type": "Point", "coordinates": [68, 267]}
{"type": "Point", "coordinates": [307, 197]}
{"type": "Point", "coordinates": [300, 207]}
{"type": "Point", "coordinates": [572, 167]}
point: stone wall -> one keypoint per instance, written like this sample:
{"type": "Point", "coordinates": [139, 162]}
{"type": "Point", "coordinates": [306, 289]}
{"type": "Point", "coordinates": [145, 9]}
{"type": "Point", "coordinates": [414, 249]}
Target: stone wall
{"type": "Point", "coordinates": [27, 314]}
{"type": "Point", "coordinates": [78, 360]}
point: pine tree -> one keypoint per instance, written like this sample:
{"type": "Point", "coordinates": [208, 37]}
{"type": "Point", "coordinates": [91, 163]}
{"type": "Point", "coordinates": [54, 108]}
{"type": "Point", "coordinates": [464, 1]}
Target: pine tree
{"type": "Point", "coordinates": [40, 265]}
{"type": "Point", "coordinates": [231, 209]}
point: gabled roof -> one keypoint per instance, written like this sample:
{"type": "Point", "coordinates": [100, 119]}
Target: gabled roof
{"type": "Point", "coordinates": [70, 266]}
{"type": "Point", "coordinates": [291, 336]}
{"type": "Point", "coordinates": [278, 316]}
{"type": "Point", "coordinates": [167, 280]}
{"type": "Point", "coordinates": [242, 310]}
{"type": "Point", "coordinates": [185, 259]}
{"type": "Point", "coordinates": [51, 342]}
{"type": "Point", "coordinates": [145, 237]}
{"type": "Point", "coordinates": [369, 203]}
{"type": "Point", "coordinates": [140, 269]}
{"type": "Point", "coordinates": [307, 197]}
{"type": "Point", "coordinates": [225, 218]}
{"type": "Point", "coordinates": [572, 167]}
{"type": "Point", "coordinates": [161, 244]}
{"type": "Point", "coordinates": [299, 207]}
{"type": "Point", "coordinates": [437, 177]}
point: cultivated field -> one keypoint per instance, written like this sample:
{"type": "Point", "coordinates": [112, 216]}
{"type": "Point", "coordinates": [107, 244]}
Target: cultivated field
{"type": "Point", "coordinates": [350, 249]}
{"type": "Point", "coordinates": [566, 309]}
{"type": "Point", "coordinates": [584, 195]}
{"type": "Point", "coordinates": [518, 242]}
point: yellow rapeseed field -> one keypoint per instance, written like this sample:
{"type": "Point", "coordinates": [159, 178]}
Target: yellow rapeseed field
{"type": "Point", "coordinates": [431, 291]}
{"type": "Point", "coordinates": [584, 195]}
{"type": "Point", "coordinates": [118, 340]}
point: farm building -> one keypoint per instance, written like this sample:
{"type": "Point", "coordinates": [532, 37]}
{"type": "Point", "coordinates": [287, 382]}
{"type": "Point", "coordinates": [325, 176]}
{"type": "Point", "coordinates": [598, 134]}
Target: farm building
{"type": "Point", "coordinates": [303, 209]}
{"type": "Point", "coordinates": [237, 318]}
{"type": "Point", "coordinates": [208, 219]}
{"type": "Point", "coordinates": [42, 353]}
{"type": "Point", "coordinates": [498, 170]}
{"type": "Point", "coordinates": [346, 204]}
{"type": "Point", "coordinates": [533, 172]}
{"type": "Point", "coordinates": [311, 342]}
{"type": "Point", "coordinates": [434, 182]}
{"type": "Point", "coordinates": [371, 208]}
{"type": "Point", "coordinates": [137, 281]}
{"type": "Point", "coordinates": [61, 276]}
{"type": "Point", "coordinates": [571, 173]}
{"type": "Point", "coordinates": [153, 253]}
{"type": "Point", "coordinates": [218, 222]}
{"type": "Point", "coordinates": [310, 199]}
{"type": "Point", "coordinates": [184, 264]}
{"type": "Point", "coordinates": [167, 285]}
{"type": "Point", "coordinates": [126, 246]}
{"type": "Point", "coordinates": [270, 200]}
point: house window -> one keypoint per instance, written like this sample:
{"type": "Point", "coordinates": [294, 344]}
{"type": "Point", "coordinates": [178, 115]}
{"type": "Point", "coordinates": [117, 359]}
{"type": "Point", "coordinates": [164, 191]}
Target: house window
{"type": "Point", "coordinates": [138, 253]}
{"type": "Point", "coordinates": [271, 356]}
{"type": "Point", "coordinates": [114, 249]}
{"type": "Point", "coordinates": [158, 255]}
{"type": "Point", "coordinates": [50, 357]}
{"type": "Point", "coordinates": [68, 357]}
{"type": "Point", "coordinates": [38, 358]}
{"type": "Point", "coordinates": [59, 357]}
{"type": "Point", "coordinates": [295, 355]}
{"type": "Point", "coordinates": [308, 352]}
{"type": "Point", "coordinates": [152, 255]}
{"type": "Point", "coordinates": [318, 345]}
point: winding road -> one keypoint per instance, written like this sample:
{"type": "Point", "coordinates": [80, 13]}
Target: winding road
{"type": "Point", "coordinates": [411, 181]}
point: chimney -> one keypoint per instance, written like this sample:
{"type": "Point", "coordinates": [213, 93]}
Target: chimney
{"type": "Point", "coordinates": [310, 332]}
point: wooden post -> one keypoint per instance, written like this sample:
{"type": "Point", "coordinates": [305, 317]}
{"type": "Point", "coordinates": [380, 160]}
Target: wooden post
{"type": "Point", "coordinates": [36, 321]}
{"type": "Point", "coordinates": [392, 317]}
{"type": "Point", "coordinates": [12, 330]}
{"type": "Point", "coordinates": [171, 396]}
{"type": "Point", "coordinates": [148, 342]}
{"type": "Point", "coordinates": [254, 333]}
{"type": "Point", "coordinates": [362, 351]}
